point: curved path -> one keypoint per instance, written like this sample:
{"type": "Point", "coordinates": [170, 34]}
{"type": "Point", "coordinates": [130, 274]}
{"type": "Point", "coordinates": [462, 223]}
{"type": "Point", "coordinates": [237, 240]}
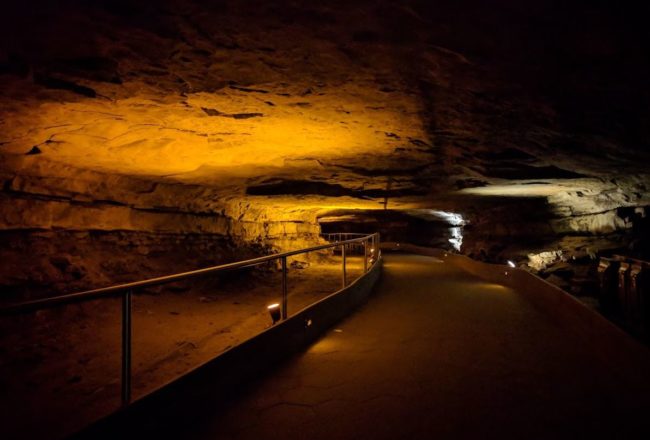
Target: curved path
{"type": "Point", "coordinates": [439, 353]}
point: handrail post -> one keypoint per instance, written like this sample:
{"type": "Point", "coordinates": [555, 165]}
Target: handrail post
{"type": "Point", "coordinates": [365, 256]}
{"type": "Point", "coordinates": [377, 245]}
{"type": "Point", "coordinates": [284, 288]}
{"type": "Point", "coordinates": [126, 347]}
{"type": "Point", "coordinates": [343, 264]}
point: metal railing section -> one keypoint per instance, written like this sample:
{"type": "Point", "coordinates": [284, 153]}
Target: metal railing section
{"type": "Point", "coordinates": [339, 236]}
{"type": "Point", "coordinates": [369, 243]}
{"type": "Point", "coordinates": [624, 285]}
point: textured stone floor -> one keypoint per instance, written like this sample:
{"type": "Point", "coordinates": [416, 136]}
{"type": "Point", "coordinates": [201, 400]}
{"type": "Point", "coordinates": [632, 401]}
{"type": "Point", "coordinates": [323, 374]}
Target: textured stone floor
{"type": "Point", "coordinates": [437, 353]}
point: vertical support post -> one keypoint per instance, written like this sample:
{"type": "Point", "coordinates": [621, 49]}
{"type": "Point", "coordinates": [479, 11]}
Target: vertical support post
{"type": "Point", "coordinates": [343, 265]}
{"type": "Point", "coordinates": [284, 288]}
{"type": "Point", "coordinates": [126, 347]}
{"type": "Point", "coordinates": [365, 255]}
{"type": "Point", "coordinates": [377, 247]}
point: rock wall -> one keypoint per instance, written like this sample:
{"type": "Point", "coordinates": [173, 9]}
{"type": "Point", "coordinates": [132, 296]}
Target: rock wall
{"type": "Point", "coordinates": [246, 122]}
{"type": "Point", "coordinates": [66, 229]}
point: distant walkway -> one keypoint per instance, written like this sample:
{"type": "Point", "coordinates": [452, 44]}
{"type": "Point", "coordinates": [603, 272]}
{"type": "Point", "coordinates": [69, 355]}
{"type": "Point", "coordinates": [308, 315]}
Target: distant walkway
{"type": "Point", "coordinates": [437, 353]}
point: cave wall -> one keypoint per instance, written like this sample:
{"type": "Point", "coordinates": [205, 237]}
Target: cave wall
{"type": "Point", "coordinates": [230, 128]}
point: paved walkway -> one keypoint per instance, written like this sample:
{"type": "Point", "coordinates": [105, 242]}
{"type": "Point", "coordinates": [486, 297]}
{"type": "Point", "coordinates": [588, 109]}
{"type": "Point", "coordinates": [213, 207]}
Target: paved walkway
{"type": "Point", "coordinates": [438, 353]}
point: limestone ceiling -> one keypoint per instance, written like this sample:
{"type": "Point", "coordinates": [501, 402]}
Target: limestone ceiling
{"type": "Point", "coordinates": [329, 104]}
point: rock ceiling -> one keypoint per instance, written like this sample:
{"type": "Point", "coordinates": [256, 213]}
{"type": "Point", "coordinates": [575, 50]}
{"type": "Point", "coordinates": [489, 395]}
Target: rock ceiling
{"type": "Point", "coordinates": [286, 110]}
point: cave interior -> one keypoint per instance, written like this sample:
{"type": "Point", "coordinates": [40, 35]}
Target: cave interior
{"type": "Point", "coordinates": [144, 138]}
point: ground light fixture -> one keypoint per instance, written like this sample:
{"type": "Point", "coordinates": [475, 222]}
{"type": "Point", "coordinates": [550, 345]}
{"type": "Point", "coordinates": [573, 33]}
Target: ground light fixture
{"type": "Point", "coordinates": [274, 311]}
{"type": "Point", "coordinates": [511, 263]}
{"type": "Point", "coordinates": [371, 258]}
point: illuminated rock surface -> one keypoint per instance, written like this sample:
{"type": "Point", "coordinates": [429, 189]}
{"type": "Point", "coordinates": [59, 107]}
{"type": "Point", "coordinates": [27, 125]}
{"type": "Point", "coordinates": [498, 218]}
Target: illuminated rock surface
{"type": "Point", "coordinates": [246, 121]}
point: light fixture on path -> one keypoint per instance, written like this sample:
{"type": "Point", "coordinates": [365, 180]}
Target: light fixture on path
{"type": "Point", "coordinates": [274, 311]}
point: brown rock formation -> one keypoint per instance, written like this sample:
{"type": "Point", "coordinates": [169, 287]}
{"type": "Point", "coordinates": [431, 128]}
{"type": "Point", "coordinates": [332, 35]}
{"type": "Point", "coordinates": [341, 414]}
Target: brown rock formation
{"type": "Point", "coordinates": [247, 121]}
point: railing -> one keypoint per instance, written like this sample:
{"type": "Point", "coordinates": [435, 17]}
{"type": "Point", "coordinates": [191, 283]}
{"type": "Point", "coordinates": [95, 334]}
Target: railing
{"type": "Point", "coordinates": [368, 242]}
{"type": "Point", "coordinates": [625, 292]}
{"type": "Point", "coordinates": [338, 236]}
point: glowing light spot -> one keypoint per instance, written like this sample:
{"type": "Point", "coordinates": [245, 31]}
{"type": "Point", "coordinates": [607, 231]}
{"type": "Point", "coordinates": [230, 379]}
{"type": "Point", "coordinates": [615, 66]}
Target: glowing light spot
{"type": "Point", "coordinates": [456, 239]}
{"type": "Point", "coordinates": [452, 218]}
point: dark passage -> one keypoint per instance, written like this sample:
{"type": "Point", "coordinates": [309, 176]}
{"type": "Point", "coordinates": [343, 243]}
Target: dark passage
{"type": "Point", "coordinates": [438, 353]}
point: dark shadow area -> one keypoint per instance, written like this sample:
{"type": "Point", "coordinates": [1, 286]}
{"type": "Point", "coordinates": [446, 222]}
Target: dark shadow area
{"type": "Point", "coordinates": [394, 226]}
{"type": "Point", "coordinates": [304, 187]}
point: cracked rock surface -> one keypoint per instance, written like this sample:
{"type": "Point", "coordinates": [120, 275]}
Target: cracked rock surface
{"type": "Point", "coordinates": [251, 120]}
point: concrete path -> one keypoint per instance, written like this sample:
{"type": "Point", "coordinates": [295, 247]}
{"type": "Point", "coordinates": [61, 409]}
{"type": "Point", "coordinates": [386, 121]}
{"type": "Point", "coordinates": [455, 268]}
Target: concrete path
{"type": "Point", "coordinates": [438, 353]}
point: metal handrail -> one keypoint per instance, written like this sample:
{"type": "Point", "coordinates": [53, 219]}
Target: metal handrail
{"type": "Point", "coordinates": [94, 293]}
{"type": "Point", "coordinates": [329, 235]}
{"type": "Point", "coordinates": [126, 290]}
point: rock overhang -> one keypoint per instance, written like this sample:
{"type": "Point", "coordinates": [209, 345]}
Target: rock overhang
{"type": "Point", "coordinates": [282, 112]}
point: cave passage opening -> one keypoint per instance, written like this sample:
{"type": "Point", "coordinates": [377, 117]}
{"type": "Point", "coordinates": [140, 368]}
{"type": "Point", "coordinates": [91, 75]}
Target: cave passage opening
{"type": "Point", "coordinates": [422, 227]}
